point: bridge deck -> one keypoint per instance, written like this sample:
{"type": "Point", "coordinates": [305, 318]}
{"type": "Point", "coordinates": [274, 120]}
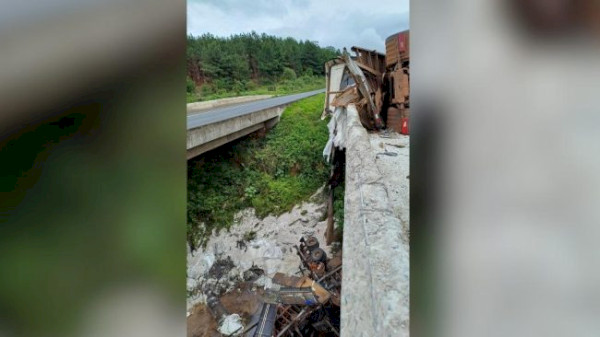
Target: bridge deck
{"type": "Point", "coordinates": [224, 113]}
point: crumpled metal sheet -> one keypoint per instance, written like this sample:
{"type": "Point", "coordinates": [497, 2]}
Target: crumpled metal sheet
{"type": "Point", "coordinates": [364, 88]}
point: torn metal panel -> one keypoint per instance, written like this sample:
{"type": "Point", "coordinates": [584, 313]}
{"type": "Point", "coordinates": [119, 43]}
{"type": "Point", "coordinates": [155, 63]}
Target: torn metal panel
{"type": "Point", "coordinates": [369, 69]}
{"type": "Point", "coordinates": [372, 60]}
{"type": "Point", "coordinates": [347, 96]}
{"type": "Point", "coordinates": [365, 89]}
{"type": "Point", "coordinates": [373, 65]}
{"type": "Point", "coordinates": [305, 292]}
{"type": "Point", "coordinates": [266, 322]}
{"type": "Point", "coordinates": [300, 296]}
{"type": "Point", "coordinates": [335, 80]}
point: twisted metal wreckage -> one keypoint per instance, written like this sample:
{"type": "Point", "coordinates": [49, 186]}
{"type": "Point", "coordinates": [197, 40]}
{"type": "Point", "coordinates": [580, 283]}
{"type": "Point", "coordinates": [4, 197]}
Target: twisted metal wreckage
{"type": "Point", "coordinates": [376, 84]}
{"type": "Point", "coordinates": [294, 306]}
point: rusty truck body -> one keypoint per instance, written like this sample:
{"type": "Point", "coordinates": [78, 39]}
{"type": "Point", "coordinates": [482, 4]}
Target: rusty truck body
{"type": "Point", "coordinates": [378, 84]}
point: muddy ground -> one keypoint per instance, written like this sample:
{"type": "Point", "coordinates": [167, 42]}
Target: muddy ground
{"type": "Point", "coordinates": [244, 300]}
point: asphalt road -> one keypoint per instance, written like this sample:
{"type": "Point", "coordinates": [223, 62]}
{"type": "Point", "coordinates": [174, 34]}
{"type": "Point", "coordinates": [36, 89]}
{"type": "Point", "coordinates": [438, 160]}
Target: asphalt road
{"type": "Point", "coordinates": [224, 113]}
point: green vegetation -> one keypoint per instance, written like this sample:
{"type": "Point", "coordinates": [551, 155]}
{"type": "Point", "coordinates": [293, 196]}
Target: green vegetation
{"type": "Point", "coordinates": [283, 87]}
{"type": "Point", "coordinates": [338, 208]}
{"type": "Point", "coordinates": [247, 64]}
{"type": "Point", "coordinates": [271, 174]}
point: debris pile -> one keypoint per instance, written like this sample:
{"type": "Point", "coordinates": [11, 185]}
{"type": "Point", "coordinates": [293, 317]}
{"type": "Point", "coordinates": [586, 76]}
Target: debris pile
{"type": "Point", "coordinates": [377, 84]}
{"type": "Point", "coordinates": [271, 273]}
{"type": "Point", "coordinates": [303, 305]}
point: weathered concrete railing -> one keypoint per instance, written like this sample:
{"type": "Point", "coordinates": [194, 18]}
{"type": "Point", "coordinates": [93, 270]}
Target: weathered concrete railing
{"type": "Point", "coordinates": [219, 126]}
{"type": "Point", "coordinates": [211, 136]}
{"type": "Point", "coordinates": [375, 278]}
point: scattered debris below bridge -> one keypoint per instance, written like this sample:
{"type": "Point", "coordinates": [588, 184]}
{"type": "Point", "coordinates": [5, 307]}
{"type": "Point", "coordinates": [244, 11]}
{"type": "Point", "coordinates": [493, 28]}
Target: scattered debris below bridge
{"type": "Point", "coordinates": [274, 268]}
{"type": "Point", "coordinates": [304, 304]}
{"type": "Point", "coordinates": [307, 305]}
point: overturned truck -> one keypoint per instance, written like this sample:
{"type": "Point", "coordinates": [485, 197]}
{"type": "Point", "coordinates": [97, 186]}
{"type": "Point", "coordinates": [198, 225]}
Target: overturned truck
{"type": "Point", "coordinates": [378, 84]}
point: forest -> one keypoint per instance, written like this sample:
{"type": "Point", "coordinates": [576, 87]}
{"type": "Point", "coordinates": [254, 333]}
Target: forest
{"type": "Point", "coordinates": [222, 66]}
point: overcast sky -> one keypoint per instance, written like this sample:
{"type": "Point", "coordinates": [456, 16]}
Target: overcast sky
{"type": "Point", "coordinates": [337, 23]}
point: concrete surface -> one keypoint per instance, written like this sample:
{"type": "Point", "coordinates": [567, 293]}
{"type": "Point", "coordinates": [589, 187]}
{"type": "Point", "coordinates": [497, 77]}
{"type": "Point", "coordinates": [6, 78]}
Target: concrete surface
{"type": "Point", "coordinates": [210, 136]}
{"type": "Point", "coordinates": [199, 107]}
{"type": "Point", "coordinates": [392, 158]}
{"type": "Point", "coordinates": [375, 292]}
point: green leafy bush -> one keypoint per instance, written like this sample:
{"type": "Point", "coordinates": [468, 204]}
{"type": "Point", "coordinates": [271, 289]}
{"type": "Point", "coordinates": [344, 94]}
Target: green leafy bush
{"type": "Point", "coordinates": [250, 192]}
{"type": "Point", "coordinates": [207, 89]}
{"type": "Point", "coordinates": [190, 85]}
{"type": "Point", "coordinates": [238, 87]}
{"type": "Point", "coordinates": [251, 85]}
{"type": "Point", "coordinates": [288, 74]}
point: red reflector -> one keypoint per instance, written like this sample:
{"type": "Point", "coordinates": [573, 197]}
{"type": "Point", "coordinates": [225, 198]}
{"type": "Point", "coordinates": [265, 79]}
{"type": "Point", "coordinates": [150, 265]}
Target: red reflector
{"type": "Point", "coordinates": [404, 128]}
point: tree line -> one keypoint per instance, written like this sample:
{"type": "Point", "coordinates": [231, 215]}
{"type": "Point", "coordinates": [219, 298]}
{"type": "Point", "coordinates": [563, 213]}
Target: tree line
{"type": "Point", "coordinates": [242, 59]}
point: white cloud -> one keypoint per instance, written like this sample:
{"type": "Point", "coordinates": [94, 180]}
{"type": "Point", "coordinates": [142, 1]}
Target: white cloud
{"type": "Point", "coordinates": [338, 23]}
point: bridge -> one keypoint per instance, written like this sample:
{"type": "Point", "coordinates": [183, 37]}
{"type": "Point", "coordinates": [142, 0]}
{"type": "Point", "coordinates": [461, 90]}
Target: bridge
{"type": "Point", "coordinates": [212, 128]}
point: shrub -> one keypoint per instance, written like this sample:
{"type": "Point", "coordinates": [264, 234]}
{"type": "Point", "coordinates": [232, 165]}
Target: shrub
{"type": "Point", "coordinates": [190, 85]}
{"type": "Point", "coordinates": [223, 85]}
{"type": "Point", "coordinates": [207, 89]}
{"type": "Point", "coordinates": [251, 85]}
{"type": "Point", "coordinates": [288, 74]}
{"type": "Point", "coordinates": [238, 87]}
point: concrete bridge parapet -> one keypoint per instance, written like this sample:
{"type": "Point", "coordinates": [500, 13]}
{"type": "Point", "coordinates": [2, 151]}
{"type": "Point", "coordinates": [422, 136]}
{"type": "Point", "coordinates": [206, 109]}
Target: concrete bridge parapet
{"type": "Point", "coordinates": [375, 281]}
{"type": "Point", "coordinates": [211, 136]}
